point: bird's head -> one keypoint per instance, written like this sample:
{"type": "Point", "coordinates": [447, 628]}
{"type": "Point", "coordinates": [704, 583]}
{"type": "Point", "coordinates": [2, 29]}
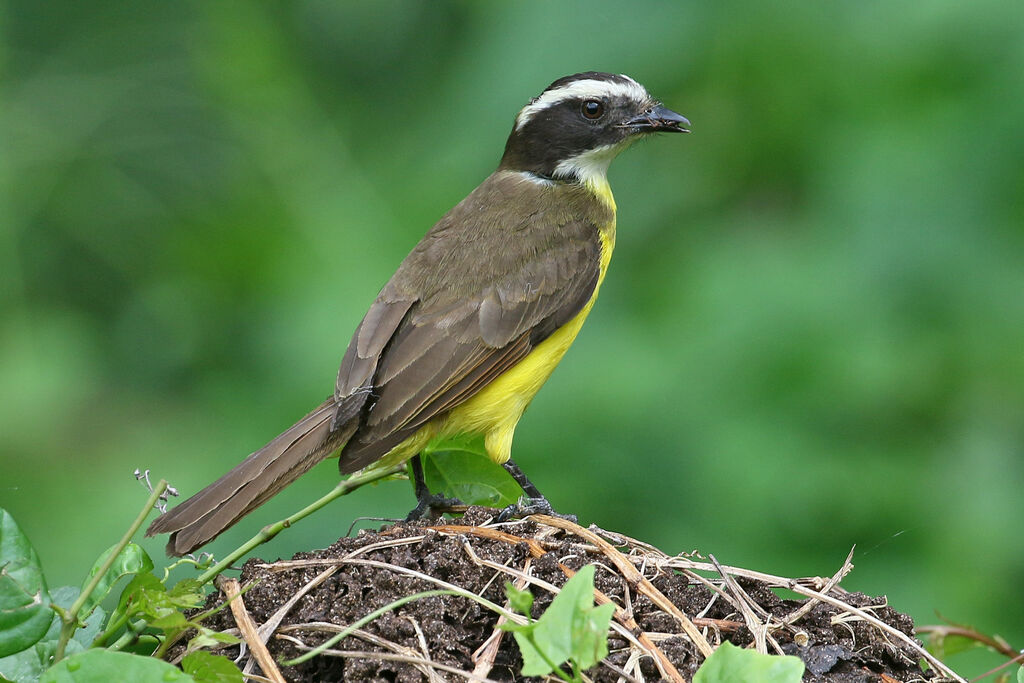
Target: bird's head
{"type": "Point", "coordinates": [573, 130]}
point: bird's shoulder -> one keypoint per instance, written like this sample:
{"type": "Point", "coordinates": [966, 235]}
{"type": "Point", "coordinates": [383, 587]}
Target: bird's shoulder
{"type": "Point", "coordinates": [510, 220]}
{"type": "Point", "coordinates": [517, 256]}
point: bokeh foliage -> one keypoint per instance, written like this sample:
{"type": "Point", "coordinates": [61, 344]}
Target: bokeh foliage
{"type": "Point", "coordinates": [812, 333]}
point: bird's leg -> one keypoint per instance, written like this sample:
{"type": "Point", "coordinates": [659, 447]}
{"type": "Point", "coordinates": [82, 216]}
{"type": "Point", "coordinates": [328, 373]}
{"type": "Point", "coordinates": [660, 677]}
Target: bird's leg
{"type": "Point", "coordinates": [428, 505]}
{"type": "Point", "coordinates": [533, 503]}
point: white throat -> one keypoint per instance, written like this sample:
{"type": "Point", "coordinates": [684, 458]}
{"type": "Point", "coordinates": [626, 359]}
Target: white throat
{"type": "Point", "coordinates": [591, 167]}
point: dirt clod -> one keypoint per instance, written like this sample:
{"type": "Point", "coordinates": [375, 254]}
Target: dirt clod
{"type": "Point", "coordinates": [430, 638]}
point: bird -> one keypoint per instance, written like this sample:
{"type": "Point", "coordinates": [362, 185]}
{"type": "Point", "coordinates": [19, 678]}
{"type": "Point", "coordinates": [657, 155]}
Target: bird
{"type": "Point", "coordinates": [475, 318]}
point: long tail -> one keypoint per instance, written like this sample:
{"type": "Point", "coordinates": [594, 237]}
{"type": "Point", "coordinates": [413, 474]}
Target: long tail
{"type": "Point", "coordinates": [253, 481]}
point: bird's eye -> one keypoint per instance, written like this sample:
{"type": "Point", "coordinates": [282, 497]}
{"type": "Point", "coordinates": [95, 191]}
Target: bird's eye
{"type": "Point", "coordinates": [592, 109]}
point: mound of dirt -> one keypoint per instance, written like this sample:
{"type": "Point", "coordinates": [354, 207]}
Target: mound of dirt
{"type": "Point", "coordinates": [672, 610]}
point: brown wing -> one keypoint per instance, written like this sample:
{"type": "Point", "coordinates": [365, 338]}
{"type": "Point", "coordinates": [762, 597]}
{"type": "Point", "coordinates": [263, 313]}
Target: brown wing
{"type": "Point", "coordinates": [418, 358]}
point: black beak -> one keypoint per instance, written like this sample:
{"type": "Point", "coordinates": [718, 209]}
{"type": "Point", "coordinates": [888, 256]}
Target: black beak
{"type": "Point", "coordinates": [659, 120]}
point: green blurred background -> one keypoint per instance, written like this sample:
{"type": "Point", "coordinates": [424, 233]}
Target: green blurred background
{"type": "Point", "coordinates": [811, 335]}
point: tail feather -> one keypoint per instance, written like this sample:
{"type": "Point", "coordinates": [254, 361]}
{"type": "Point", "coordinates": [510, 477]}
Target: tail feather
{"type": "Point", "coordinates": [253, 481]}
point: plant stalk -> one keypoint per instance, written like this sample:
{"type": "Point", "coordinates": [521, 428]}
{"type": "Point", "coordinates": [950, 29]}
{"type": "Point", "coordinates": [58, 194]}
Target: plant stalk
{"type": "Point", "coordinates": [268, 532]}
{"type": "Point", "coordinates": [70, 617]}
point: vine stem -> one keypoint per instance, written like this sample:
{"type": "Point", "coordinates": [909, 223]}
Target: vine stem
{"type": "Point", "coordinates": [345, 486]}
{"type": "Point", "coordinates": [557, 670]}
{"type": "Point", "coordinates": [70, 616]}
{"type": "Point", "coordinates": [268, 532]}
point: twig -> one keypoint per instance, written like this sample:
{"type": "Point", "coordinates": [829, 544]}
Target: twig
{"type": "Point", "coordinates": [268, 532]}
{"type": "Point", "coordinates": [682, 563]}
{"type": "Point", "coordinates": [457, 590]}
{"type": "Point", "coordinates": [230, 589]}
{"type": "Point", "coordinates": [746, 606]}
{"type": "Point", "coordinates": [623, 676]}
{"type": "Point", "coordinates": [344, 487]}
{"type": "Point", "coordinates": [372, 638]}
{"type": "Point", "coordinates": [430, 673]}
{"type": "Point", "coordinates": [997, 644]}
{"type": "Point", "coordinates": [804, 609]}
{"type": "Point", "coordinates": [624, 625]}
{"type": "Point", "coordinates": [667, 668]}
{"type": "Point", "coordinates": [390, 543]}
{"type": "Point", "coordinates": [347, 631]}
{"type": "Point", "coordinates": [268, 628]}
{"type": "Point", "coordinates": [289, 565]}
{"type": "Point", "coordinates": [271, 624]}
{"type": "Point", "coordinates": [623, 621]}
{"type": "Point", "coordinates": [634, 577]}
{"type": "Point", "coordinates": [632, 664]}
{"type": "Point", "coordinates": [414, 660]}
{"type": "Point", "coordinates": [633, 565]}
{"type": "Point", "coordinates": [1010, 662]}
{"type": "Point", "coordinates": [877, 623]}
{"type": "Point", "coordinates": [484, 656]}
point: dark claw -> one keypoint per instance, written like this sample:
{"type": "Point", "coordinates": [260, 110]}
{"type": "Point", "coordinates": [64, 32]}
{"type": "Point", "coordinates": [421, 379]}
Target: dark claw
{"type": "Point", "coordinates": [431, 507]}
{"type": "Point", "coordinates": [532, 506]}
{"type": "Point", "coordinates": [428, 506]}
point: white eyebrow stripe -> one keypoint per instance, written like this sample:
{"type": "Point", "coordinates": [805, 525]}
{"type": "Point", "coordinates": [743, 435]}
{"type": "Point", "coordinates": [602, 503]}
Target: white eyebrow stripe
{"type": "Point", "coordinates": [582, 89]}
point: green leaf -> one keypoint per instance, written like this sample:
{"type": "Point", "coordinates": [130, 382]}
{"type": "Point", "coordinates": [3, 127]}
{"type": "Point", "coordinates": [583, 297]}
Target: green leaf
{"type": "Point", "coordinates": [590, 636]}
{"type": "Point", "coordinates": [28, 665]}
{"type": "Point", "coordinates": [103, 666]}
{"type": "Point", "coordinates": [534, 663]}
{"type": "Point", "coordinates": [208, 638]}
{"type": "Point", "coordinates": [571, 628]}
{"type": "Point", "coordinates": [462, 469]}
{"type": "Point", "coordinates": [206, 667]}
{"type": "Point", "coordinates": [145, 595]}
{"type": "Point", "coordinates": [65, 596]}
{"type": "Point", "coordinates": [172, 619]}
{"type": "Point", "coordinates": [731, 664]}
{"type": "Point", "coordinates": [131, 560]}
{"type": "Point", "coordinates": [187, 593]}
{"type": "Point", "coordinates": [942, 645]}
{"type": "Point", "coordinates": [138, 596]}
{"type": "Point", "coordinates": [25, 613]}
{"type": "Point", "coordinates": [555, 627]}
{"type": "Point", "coordinates": [520, 601]}
{"type": "Point", "coordinates": [1020, 675]}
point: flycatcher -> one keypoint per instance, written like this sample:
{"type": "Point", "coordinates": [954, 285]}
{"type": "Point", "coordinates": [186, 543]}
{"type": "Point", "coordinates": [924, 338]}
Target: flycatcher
{"type": "Point", "coordinates": [475, 318]}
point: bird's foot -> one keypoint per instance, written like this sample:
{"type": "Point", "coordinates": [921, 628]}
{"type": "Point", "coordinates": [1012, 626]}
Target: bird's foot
{"type": "Point", "coordinates": [431, 506]}
{"type": "Point", "coordinates": [531, 506]}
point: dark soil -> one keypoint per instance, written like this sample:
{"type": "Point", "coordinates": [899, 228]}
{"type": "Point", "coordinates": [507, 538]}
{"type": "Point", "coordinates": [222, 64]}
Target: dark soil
{"type": "Point", "coordinates": [452, 628]}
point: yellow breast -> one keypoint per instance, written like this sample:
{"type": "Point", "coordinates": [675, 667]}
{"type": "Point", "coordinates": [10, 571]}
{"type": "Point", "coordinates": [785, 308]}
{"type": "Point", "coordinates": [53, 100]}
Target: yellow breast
{"type": "Point", "coordinates": [496, 409]}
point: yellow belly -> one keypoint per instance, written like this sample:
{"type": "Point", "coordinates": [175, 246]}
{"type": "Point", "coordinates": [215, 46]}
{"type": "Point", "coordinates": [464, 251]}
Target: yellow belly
{"type": "Point", "coordinates": [496, 409]}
